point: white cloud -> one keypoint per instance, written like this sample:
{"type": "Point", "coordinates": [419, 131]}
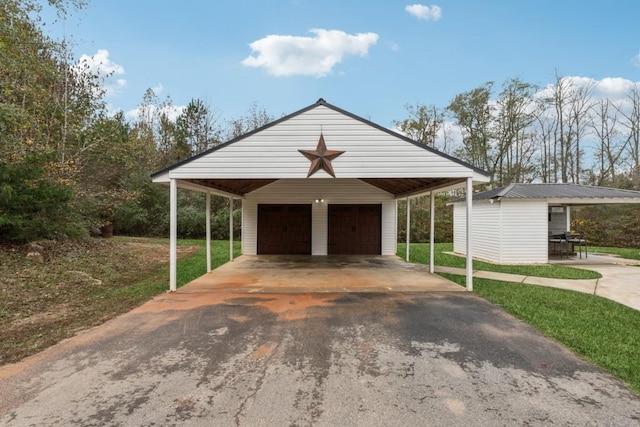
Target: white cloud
{"type": "Point", "coordinates": [636, 60]}
{"type": "Point", "coordinates": [612, 88]}
{"type": "Point", "coordinates": [426, 13]}
{"type": "Point", "coordinates": [101, 66]}
{"type": "Point", "coordinates": [284, 55]}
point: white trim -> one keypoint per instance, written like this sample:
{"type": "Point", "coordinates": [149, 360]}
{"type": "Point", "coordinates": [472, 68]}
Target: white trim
{"type": "Point", "coordinates": [173, 234]}
{"type": "Point", "coordinates": [208, 230]}
{"type": "Point", "coordinates": [574, 201]}
{"type": "Point", "coordinates": [408, 227]}
{"type": "Point", "coordinates": [432, 230]}
{"type": "Point", "coordinates": [186, 185]}
{"type": "Point", "coordinates": [469, 233]}
{"type": "Point", "coordinates": [230, 228]}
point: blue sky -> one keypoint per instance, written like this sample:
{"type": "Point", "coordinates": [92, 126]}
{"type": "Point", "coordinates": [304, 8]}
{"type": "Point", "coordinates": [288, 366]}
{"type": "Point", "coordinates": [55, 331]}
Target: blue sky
{"type": "Point", "coordinates": [370, 58]}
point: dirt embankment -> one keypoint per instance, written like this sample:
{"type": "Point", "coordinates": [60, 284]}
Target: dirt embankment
{"type": "Point", "coordinates": [72, 286]}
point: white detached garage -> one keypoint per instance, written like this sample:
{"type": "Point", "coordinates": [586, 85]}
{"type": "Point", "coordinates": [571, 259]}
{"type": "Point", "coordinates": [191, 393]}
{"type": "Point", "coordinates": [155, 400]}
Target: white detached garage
{"type": "Point", "coordinates": [320, 181]}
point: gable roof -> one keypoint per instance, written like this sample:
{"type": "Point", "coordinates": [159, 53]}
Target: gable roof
{"type": "Point", "coordinates": [559, 192]}
{"type": "Point", "coordinates": [374, 154]}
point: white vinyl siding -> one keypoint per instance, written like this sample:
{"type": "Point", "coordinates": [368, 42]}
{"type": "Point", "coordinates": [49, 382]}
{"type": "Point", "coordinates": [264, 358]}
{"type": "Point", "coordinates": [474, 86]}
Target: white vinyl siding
{"type": "Point", "coordinates": [525, 236]}
{"type": "Point", "coordinates": [487, 232]}
{"type": "Point", "coordinates": [459, 228]}
{"type": "Point", "coordinates": [505, 232]}
{"type": "Point", "coordinates": [485, 223]}
{"type": "Point", "coordinates": [369, 152]}
{"type": "Point", "coordinates": [307, 191]}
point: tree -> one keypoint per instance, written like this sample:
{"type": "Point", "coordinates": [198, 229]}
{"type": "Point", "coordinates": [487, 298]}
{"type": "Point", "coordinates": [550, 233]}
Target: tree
{"type": "Point", "coordinates": [515, 148]}
{"type": "Point", "coordinates": [580, 105]}
{"type": "Point", "coordinates": [568, 108]}
{"type": "Point", "coordinates": [196, 127]}
{"type": "Point", "coordinates": [254, 118]}
{"type": "Point", "coordinates": [32, 206]}
{"type": "Point", "coordinates": [423, 124]}
{"type": "Point", "coordinates": [610, 147]}
{"type": "Point", "coordinates": [46, 106]}
{"type": "Point", "coordinates": [631, 121]}
{"type": "Point", "coordinates": [473, 113]}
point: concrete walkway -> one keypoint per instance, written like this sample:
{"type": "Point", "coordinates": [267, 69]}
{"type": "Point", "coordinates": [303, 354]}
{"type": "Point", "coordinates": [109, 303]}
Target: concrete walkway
{"type": "Point", "coordinates": [620, 280]}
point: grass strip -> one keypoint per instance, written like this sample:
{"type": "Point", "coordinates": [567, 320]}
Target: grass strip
{"type": "Point", "coordinates": [627, 253]}
{"type": "Point", "coordinates": [419, 253]}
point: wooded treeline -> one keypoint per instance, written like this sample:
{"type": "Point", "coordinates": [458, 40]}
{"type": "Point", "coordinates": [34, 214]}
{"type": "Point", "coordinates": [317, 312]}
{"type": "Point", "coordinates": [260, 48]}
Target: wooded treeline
{"type": "Point", "coordinates": [68, 165]}
{"type": "Point", "coordinates": [568, 131]}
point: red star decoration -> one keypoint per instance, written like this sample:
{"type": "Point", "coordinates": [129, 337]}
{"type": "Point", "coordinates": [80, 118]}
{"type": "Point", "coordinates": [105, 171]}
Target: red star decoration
{"type": "Point", "coordinates": [321, 158]}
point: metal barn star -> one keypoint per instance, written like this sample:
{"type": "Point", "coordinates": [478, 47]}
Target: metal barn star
{"type": "Point", "coordinates": [321, 158]}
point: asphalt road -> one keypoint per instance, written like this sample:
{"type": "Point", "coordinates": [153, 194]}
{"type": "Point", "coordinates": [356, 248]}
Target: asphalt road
{"type": "Point", "coordinates": [369, 359]}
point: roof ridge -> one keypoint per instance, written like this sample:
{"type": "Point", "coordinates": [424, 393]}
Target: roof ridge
{"type": "Point", "coordinates": [506, 190]}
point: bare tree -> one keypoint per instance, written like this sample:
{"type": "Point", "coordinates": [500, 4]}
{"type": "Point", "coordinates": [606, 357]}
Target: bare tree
{"type": "Point", "coordinates": [254, 118]}
{"type": "Point", "coordinates": [580, 104]}
{"type": "Point", "coordinates": [631, 121]}
{"type": "Point", "coordinates": [610, 148]}
{"type": "Point", "coordinates": [558, 101]}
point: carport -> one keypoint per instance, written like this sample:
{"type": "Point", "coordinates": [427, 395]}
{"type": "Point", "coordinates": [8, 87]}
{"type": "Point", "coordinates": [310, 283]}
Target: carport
{"type": "Point", "coordinates": [337, 199]}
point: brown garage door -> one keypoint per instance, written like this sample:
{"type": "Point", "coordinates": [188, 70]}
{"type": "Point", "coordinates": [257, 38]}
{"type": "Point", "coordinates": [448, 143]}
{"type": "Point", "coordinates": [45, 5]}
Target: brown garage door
{"type": "Point", "coordinates": [355, 229]}
{"type": "Point", "coordinates": [284, 229]}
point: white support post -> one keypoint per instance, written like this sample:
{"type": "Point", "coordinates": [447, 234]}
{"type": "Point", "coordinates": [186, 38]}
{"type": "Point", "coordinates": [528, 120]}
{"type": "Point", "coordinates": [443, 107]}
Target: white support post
{"type": "Point", "coordinates": [173, 234]}
{"type": "Point", "coordinates": [432, 231]}
{"type": "Point", "coordinates": [208, 231]}
{"type": "Point", "coordinates": [408, 228]}
{"type": "Point", "coordinates": [230, 228]}
{"type": "Point", "coordinates": [469, 234]}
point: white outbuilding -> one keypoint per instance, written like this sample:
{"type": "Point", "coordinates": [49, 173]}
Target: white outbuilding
{"type": "Point", "coordinates": [320, 181]}
{"type": "Point", "coordinates": [524, 223]}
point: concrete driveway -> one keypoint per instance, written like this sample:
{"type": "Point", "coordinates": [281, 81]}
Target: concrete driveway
{"type": "Point", "coordinates": [224, 357]}
{"type": "Point", "coordinates": [334, 273]}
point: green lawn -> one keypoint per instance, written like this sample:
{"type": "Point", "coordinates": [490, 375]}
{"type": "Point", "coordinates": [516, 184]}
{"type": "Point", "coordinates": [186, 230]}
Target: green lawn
{"type": "Point", "coordinates": [189, 268]}
{"type": "Point", "coordinates": [621, 252]}
{"type": "Point", "coordinates": [419, 254]}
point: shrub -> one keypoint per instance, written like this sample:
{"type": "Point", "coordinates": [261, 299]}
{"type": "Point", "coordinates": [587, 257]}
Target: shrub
{"type": "Point", "coordinates": [33, 207]}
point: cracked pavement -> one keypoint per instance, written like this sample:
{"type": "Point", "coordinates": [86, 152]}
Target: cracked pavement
{"type": "Point", "coordinates": [321, 359]}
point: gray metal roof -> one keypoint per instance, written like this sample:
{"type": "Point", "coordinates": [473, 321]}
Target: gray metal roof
{"type": "Point", "coordinates": [556, 191]}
